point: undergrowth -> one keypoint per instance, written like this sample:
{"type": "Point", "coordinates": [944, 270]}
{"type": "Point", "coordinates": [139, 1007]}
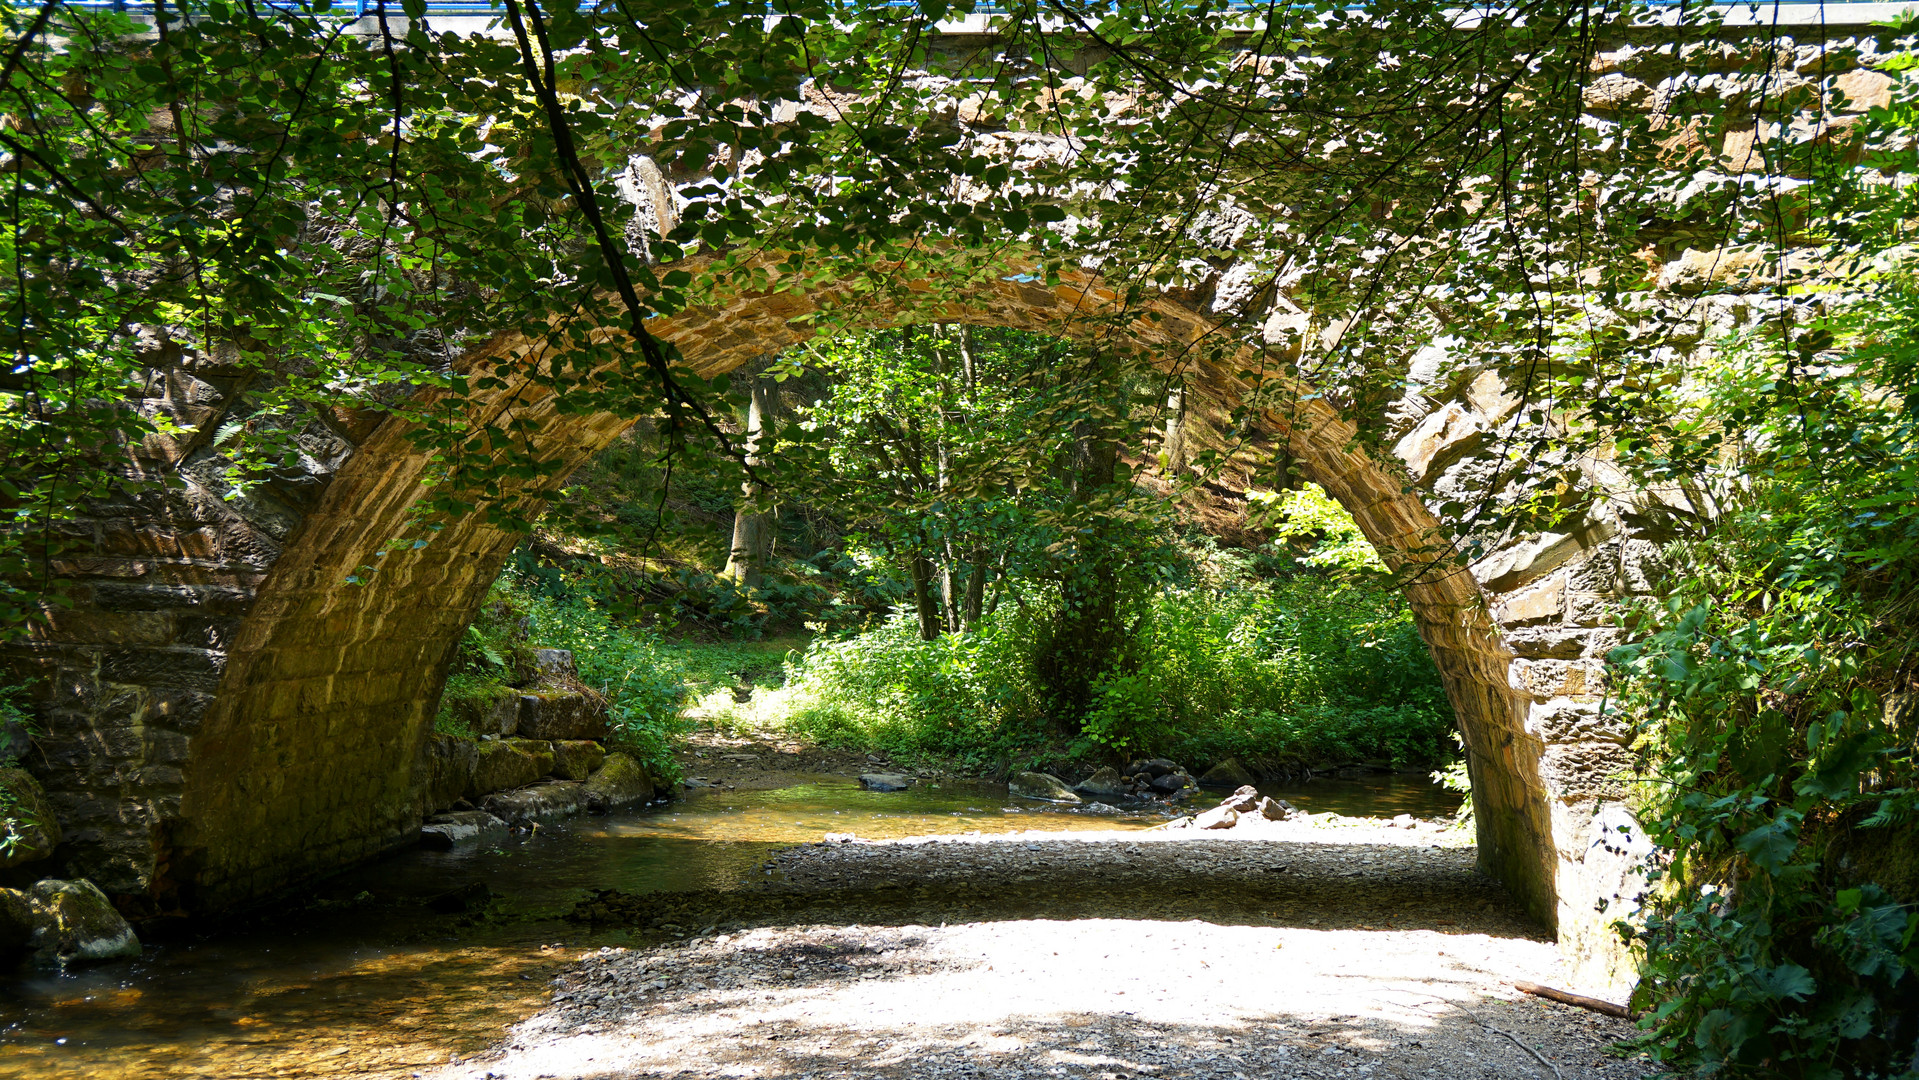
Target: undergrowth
{"type": "Point", "coordinates": [1280, 674]}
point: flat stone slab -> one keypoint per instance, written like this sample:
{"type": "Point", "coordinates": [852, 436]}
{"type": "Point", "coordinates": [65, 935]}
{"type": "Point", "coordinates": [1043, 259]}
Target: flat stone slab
{"type": "Point", "coordinates": [444, 832]}
{"type": "Point", "coordinates": [875, 781]}
{"type": "Point", "coordinates": [555, 798]}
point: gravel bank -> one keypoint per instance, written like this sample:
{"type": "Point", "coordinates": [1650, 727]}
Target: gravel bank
{"type": "Point", "coordinates": [1304, 951]}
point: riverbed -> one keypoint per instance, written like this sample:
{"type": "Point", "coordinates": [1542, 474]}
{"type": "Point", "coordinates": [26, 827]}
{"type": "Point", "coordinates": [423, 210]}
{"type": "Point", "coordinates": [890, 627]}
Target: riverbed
{"type": "Point", "coordinates": [425, 958]}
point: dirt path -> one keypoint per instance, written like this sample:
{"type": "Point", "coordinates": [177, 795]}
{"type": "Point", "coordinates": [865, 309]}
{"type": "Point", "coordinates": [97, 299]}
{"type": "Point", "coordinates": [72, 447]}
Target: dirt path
{"type": "Point", "coordinates": [1304, 951]}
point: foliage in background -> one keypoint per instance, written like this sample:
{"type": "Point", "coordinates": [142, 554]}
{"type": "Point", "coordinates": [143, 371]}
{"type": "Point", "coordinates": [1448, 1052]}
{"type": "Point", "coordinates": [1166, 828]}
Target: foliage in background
{"type": "Point", "coordinates": [1299, 668]}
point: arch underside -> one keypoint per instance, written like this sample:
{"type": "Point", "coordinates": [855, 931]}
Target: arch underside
{"type": "Point", "coordinates": [305, 751]}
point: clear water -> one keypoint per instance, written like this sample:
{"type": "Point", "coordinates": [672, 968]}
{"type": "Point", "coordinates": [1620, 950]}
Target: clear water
{"type": "Point", "coordinates": [361, 975]}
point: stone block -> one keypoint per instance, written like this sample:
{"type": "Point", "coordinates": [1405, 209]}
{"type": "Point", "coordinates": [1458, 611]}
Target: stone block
{"type": "Point", "coordinates": [575, 759]}
{"type": "Point", "coordinates": [562, 715]}
{"type": "Point", "coordinates": [503, 764]}
{"type": "Point", "coordinates": [1562, 721]}
{"type": "Point", "coordinates": [1539, 602]}
{"type": "Point", "coordinates": [1864, 90]}
{"type": "Point", "coordinates": [620, 781]}
{"type": "Point", "coordinates": [1614, 92]}
{"type": "Point", "coordinates": [443, 832]}
{"type": "Point", "coordinates": [451, 767]}
{"type": "Point", "coordinates": [555, 798]}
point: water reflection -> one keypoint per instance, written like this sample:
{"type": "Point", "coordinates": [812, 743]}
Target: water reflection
{"type": "Point", "coordinates": [378, 973]}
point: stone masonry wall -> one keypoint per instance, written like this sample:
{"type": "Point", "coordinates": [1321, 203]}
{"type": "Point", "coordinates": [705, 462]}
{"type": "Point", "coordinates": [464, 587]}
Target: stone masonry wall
{"type": "Point", "coordinates": [225, 715]}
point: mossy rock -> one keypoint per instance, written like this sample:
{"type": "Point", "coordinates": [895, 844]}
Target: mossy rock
{"type": "Point", "coordinates": [76, 924]}
{"type": "Point", "coordinates": [28, 830]}
{"type": "Point", "coordinates": [564, 714]}
{"type": "Point", "coordinates": [575, 759]}
{"type": "Point", "coordinates": [1229, 775]}
{"type": "Point", "coordinates": [450, 766]}
{"type": "Point", "coordinates": [619, 781]}
{"type": "Point", "coordinates": [1044, 786]}
{"type": "Point", "coordinates": [509, 763]}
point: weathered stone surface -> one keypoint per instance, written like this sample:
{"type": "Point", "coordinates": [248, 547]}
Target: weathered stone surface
{"type": "Point", "coordinates": [28, 830]}
{"type": "Point", "coordinates": [1153, 767]}
{"type": "Point", "coordinates": [1227, 774]}
{"type": "Point", "coordinates": [555, 663]}
{"type": "Point", "coordinates": [575, 759]}
{"type": "Point", "coordinates": [75, 923]}
{"type": "Point", "coordinates": [509, 763]}
{"type": "Point", "coordinates": [1244, 799]}
{"type": "Point", "coordinates": [501, 718]}
{"type": "Point", "coordinates": [1219, 817]}
{"type": "Point", "coordinates": [620, 781]}
{"type": "Point", "coordinates": [1105, 783]}
{"type": "Point", "coordinates": [443, 832]}
{"type": "Point", "coordinates": [562, 714]}
{"type": "Point", "coordinates": [451, 766]}
{"type": "Point", "coordinates": [885, 781]}
{"type": "Point", "coordinates": [1275, 809]}
{"type": "Point", "coordinates": [1033, 785]}
{"type": "Point", "coordinates": [555, 798]}
{"type": "Point", "coordinates": [1173, 783]}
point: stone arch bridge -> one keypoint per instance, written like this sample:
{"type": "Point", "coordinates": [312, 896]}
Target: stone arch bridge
{"type": "Point", "coordinates": [224, 715]}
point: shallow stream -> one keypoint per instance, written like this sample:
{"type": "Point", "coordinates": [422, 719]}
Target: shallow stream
{"type": "Point", "coordinates": [425, 956]}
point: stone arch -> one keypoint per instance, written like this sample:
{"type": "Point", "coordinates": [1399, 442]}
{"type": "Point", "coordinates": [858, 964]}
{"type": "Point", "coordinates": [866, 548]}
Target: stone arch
{"type": "Point", "coordinates": [295, 744]}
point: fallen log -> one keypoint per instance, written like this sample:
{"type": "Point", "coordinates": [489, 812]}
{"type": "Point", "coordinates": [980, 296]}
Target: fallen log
{"type": "Point", "coordinates": [1581, 1000]}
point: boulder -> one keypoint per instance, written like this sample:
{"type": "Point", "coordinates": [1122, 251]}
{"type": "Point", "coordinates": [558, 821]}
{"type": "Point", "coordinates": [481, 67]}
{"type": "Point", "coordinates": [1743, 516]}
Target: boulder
{"type": "Point", "coordinates": [562, 714]}
{"type": "Point", "coordinates": [1099, 808]}
{"type": "Point", "coordinates": [1107, 783]}
{"type": "Point", "coordinates": [1219, 817]}
{"type": "Point", "coordinates": [509, 763]}
{"type": "Point", "coordinates": [575, 759]}
{"type": "Point", "coordinates": [1245, 800]}
{"type": "Point", "coordinates": [1227, 774]}
{"type": "Point", "coordinates": [555, 798]}
{"type": "Point", "coordinates": [555, 663]}
{"type": "Point", "coordinates": [879, 781]}
{"type": "Point", "coordinates": [1034, 785]}
{"type": "Point", "coordinates": [16, 923]}
{"type": "Point", "coordinates": [1172, 783]}
{"type": "Point", "coordinates": [1153, 767]}
{"type": "Point", "coordinates": [75, 923]}
{"type": "Point", "coordinates": [443, 832]}
{"type": "Point", "coordinates": [620, 781]}
{"type": "Point", "coordinates": [450, 765]}
{"type": "Point", "coordinates": [28, 831]}
{"type": "Point", "coordinates": [1275, 809]}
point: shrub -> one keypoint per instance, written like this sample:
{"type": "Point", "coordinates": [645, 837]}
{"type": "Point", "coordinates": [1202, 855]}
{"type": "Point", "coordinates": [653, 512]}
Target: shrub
{"type": "Point", "coordinates": [1295, 671]}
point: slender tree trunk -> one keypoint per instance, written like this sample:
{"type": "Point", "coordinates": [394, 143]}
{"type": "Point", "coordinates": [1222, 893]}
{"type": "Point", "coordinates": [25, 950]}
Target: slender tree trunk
{"type": "Point", "coordinates": [920, 570]}
{"type": "Point", "coordinates": [752, 531]}
{"type": "Point", "coordinates": [976, 588]}
{"type": "Point", "coordinates": [1172, 450]}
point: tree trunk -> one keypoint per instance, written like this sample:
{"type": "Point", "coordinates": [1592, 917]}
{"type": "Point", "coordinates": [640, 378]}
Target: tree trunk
{"type": "Point", "coordinates": [920, 570]}
{"type": "Point", "coordinates": [1172, 451]}
{"type": "Point", "coordinates": [752, 531]}
{"type": "Point", "coordinates": [976, 589]}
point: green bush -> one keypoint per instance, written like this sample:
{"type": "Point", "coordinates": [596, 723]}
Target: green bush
{"type": "Point", "coordinates": [1277, 674]}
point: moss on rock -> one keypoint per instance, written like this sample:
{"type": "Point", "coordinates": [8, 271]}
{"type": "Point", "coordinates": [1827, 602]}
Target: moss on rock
{"type": "Point", "coordinates": [28, 830]}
